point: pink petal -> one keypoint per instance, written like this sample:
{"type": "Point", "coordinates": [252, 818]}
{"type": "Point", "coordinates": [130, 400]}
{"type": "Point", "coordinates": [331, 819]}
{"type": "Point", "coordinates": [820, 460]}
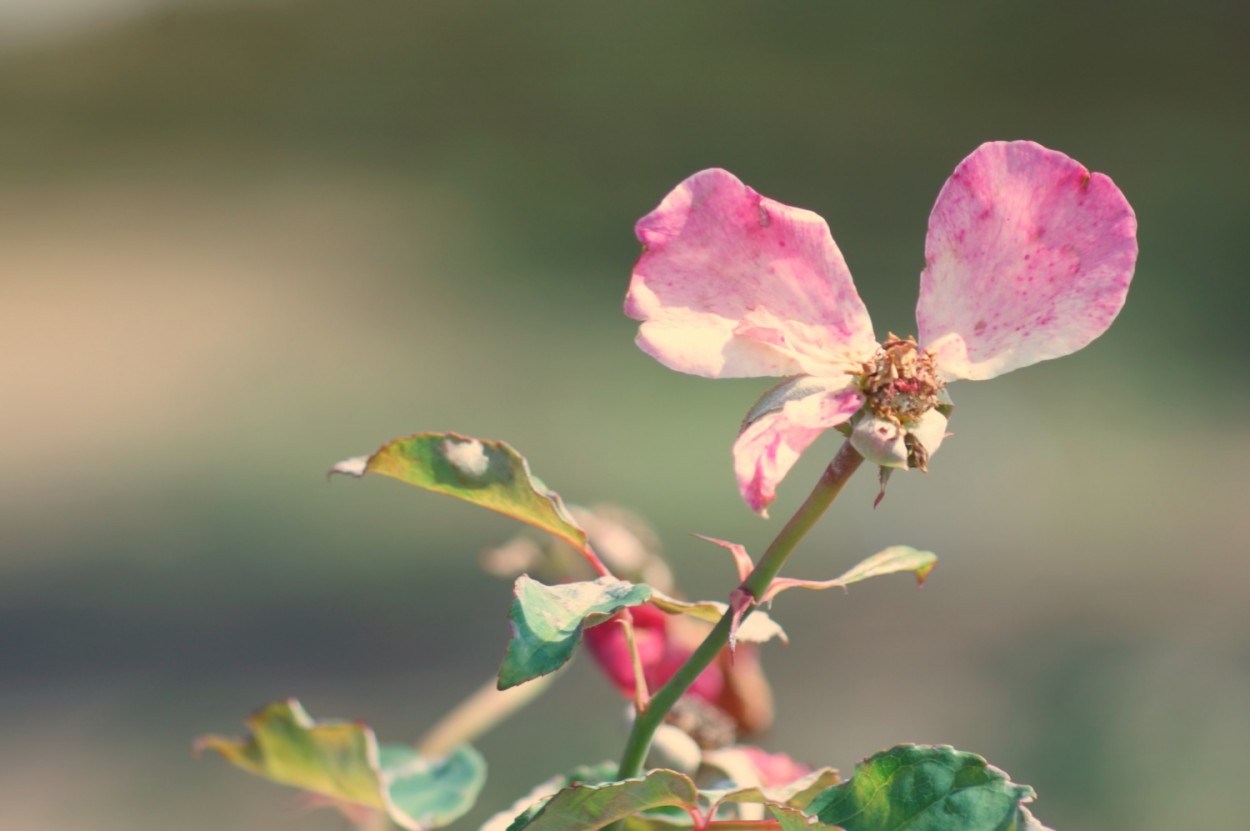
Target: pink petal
{"type": "Point", "coordinates": [771, 443]}
{"type": "Point", "coordinates": [732, 284]}
{"type": "Point", "coordinates": [775, 770]}
{"type": "Point", "coordinates": [659, 651]}
{"type": "Point", "coordinates": [1028, 257]}
{"type": "Point", "coordinates": [610, 648]}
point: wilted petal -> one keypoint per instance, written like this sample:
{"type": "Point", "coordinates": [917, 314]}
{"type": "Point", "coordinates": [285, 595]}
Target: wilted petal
{"type": "Point", "coordinates": [746, 696]}
{"type": "Point", "coordinates": [749, 766]}
{"type": "Point", "coordinates": [733, 284]}
{"type": "Point", "coordinates": [1028, 257]}
{"type": "Point", "coordinates": [771, 442]}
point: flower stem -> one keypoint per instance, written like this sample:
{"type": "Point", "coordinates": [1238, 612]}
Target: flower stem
{"type": "Point", "coordinates": [593, 559]}
{"type": "Point", "coordinates": [646, 723]}
{"type": "Point", "coordinates": [477, 714]}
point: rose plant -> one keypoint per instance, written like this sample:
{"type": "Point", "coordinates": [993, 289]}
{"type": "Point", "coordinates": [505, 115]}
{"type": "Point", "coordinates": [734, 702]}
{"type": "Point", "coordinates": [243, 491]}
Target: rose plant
{"type": "Point", "coordinates": [1028, 257]}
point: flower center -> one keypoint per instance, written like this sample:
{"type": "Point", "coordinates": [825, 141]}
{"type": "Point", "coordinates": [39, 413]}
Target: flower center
{"type": "Point", "coordinates": [901, 382]}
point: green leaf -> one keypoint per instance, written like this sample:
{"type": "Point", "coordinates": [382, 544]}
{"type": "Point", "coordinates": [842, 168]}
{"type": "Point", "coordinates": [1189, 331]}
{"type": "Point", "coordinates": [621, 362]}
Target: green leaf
{"type": "Point", "coordinates": [921, 788]}
{"type": "Point", "coordinates": [758, 628]}
{"type": "Point", "coordinates": [895, 559]}
{"type": "Point", "coordinates": [486, 473]}
{"type": "Point", "coordinates": [589, 807]}
{"type": "Point", "coordinates": [425, 793]}
{"type": "Point", "coordinates": [343, 761]}
{"type": "Point", "coordinates": [547, 622]}
{"type": "Point", "coordinates": [892, 560]}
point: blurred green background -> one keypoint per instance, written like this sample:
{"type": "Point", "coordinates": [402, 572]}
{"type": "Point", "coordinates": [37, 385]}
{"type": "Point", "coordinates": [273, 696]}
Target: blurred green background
{"type": "Point", "coordinates": [242, 241]}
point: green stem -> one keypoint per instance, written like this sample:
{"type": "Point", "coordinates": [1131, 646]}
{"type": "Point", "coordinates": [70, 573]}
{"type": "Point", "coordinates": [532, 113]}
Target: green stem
{"type": "Point", "coordinates": [831, 481]}
{"type": "Point", "coordinates": [477, 714]}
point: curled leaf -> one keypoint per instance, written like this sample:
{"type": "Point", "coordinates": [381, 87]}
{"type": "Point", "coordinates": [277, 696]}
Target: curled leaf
{"type": "Point", "coordinates": [590, 807]}
{"type": "Point", "coordinates": [754, 778]}
{"type": "Point", "coordinates": [523, 810]}
{"type": "Point", "coordinates": [486, 473]}
{"type": "Point", "coordinates": [895, 559]}
{"type": "Point", "coordinates": [343, 762]}
{"type": "Point", "coordinates": [758, 628]}
{"type": "Point", "coordinates": [547, 622]}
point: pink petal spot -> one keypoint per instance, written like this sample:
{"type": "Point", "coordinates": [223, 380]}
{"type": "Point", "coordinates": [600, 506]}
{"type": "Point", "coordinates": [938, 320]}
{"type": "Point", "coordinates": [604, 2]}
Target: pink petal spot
{"type": "Point", "coordinates": [771, 443]}
{"type": "Point", "coordinates": [733, 284]}
{"type": "Point", "coordinates": [1029, 257]}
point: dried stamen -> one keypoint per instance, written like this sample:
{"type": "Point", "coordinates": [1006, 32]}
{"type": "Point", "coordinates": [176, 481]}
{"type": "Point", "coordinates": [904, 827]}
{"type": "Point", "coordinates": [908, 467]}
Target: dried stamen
{"type": "Point", "coordinates": [901, 382]}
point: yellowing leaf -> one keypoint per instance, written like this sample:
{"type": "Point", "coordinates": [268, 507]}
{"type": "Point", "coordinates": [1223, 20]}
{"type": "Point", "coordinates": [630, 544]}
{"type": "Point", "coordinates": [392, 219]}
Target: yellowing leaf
{"type": "Point", "coordinates": [590, 807]}
{"type": "Point", "coordinates": [895, 559]}
{"type": "Point", "coordinates": [758, 628]}
{"type": "Point", "coordinates": [486, 473]}
{"type": "Point", "coordinates": [343, 762]}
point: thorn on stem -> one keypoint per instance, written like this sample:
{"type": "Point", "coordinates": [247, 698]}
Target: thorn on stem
{"type": "Point", "coordinates": [741, 601]}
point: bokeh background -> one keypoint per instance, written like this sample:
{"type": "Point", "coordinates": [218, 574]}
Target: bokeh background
{"type": "Point", "coordinates": [242, 241]}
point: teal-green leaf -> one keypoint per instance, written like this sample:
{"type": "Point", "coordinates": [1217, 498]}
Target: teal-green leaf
{"type": "Point", "coordinates": [343, 761]}
{"type": "Point", "coordinates": [547, 622]}
{"type": "Point", "coordinates": [425, 793]}
{"type": "Point", "coordinates": [924, 788]}
{"type": "Point", "coordinates": [486, 473]}
{"type": "Point", "coordinates": [590, 807]}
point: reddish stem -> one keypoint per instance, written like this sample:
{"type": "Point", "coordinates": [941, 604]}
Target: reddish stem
{"type": "Point", "coordinates": [593, 558]}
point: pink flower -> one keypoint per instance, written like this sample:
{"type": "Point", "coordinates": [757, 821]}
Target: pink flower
{"type": "Point", "coordinates": [1028, 257]}
{"type": "Point", "coordinates": [733, 685]}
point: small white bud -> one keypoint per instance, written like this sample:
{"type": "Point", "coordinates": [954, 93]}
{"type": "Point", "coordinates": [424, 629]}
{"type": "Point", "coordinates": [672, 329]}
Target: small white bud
{"type": "Point", "coordinates": [673, 749]}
